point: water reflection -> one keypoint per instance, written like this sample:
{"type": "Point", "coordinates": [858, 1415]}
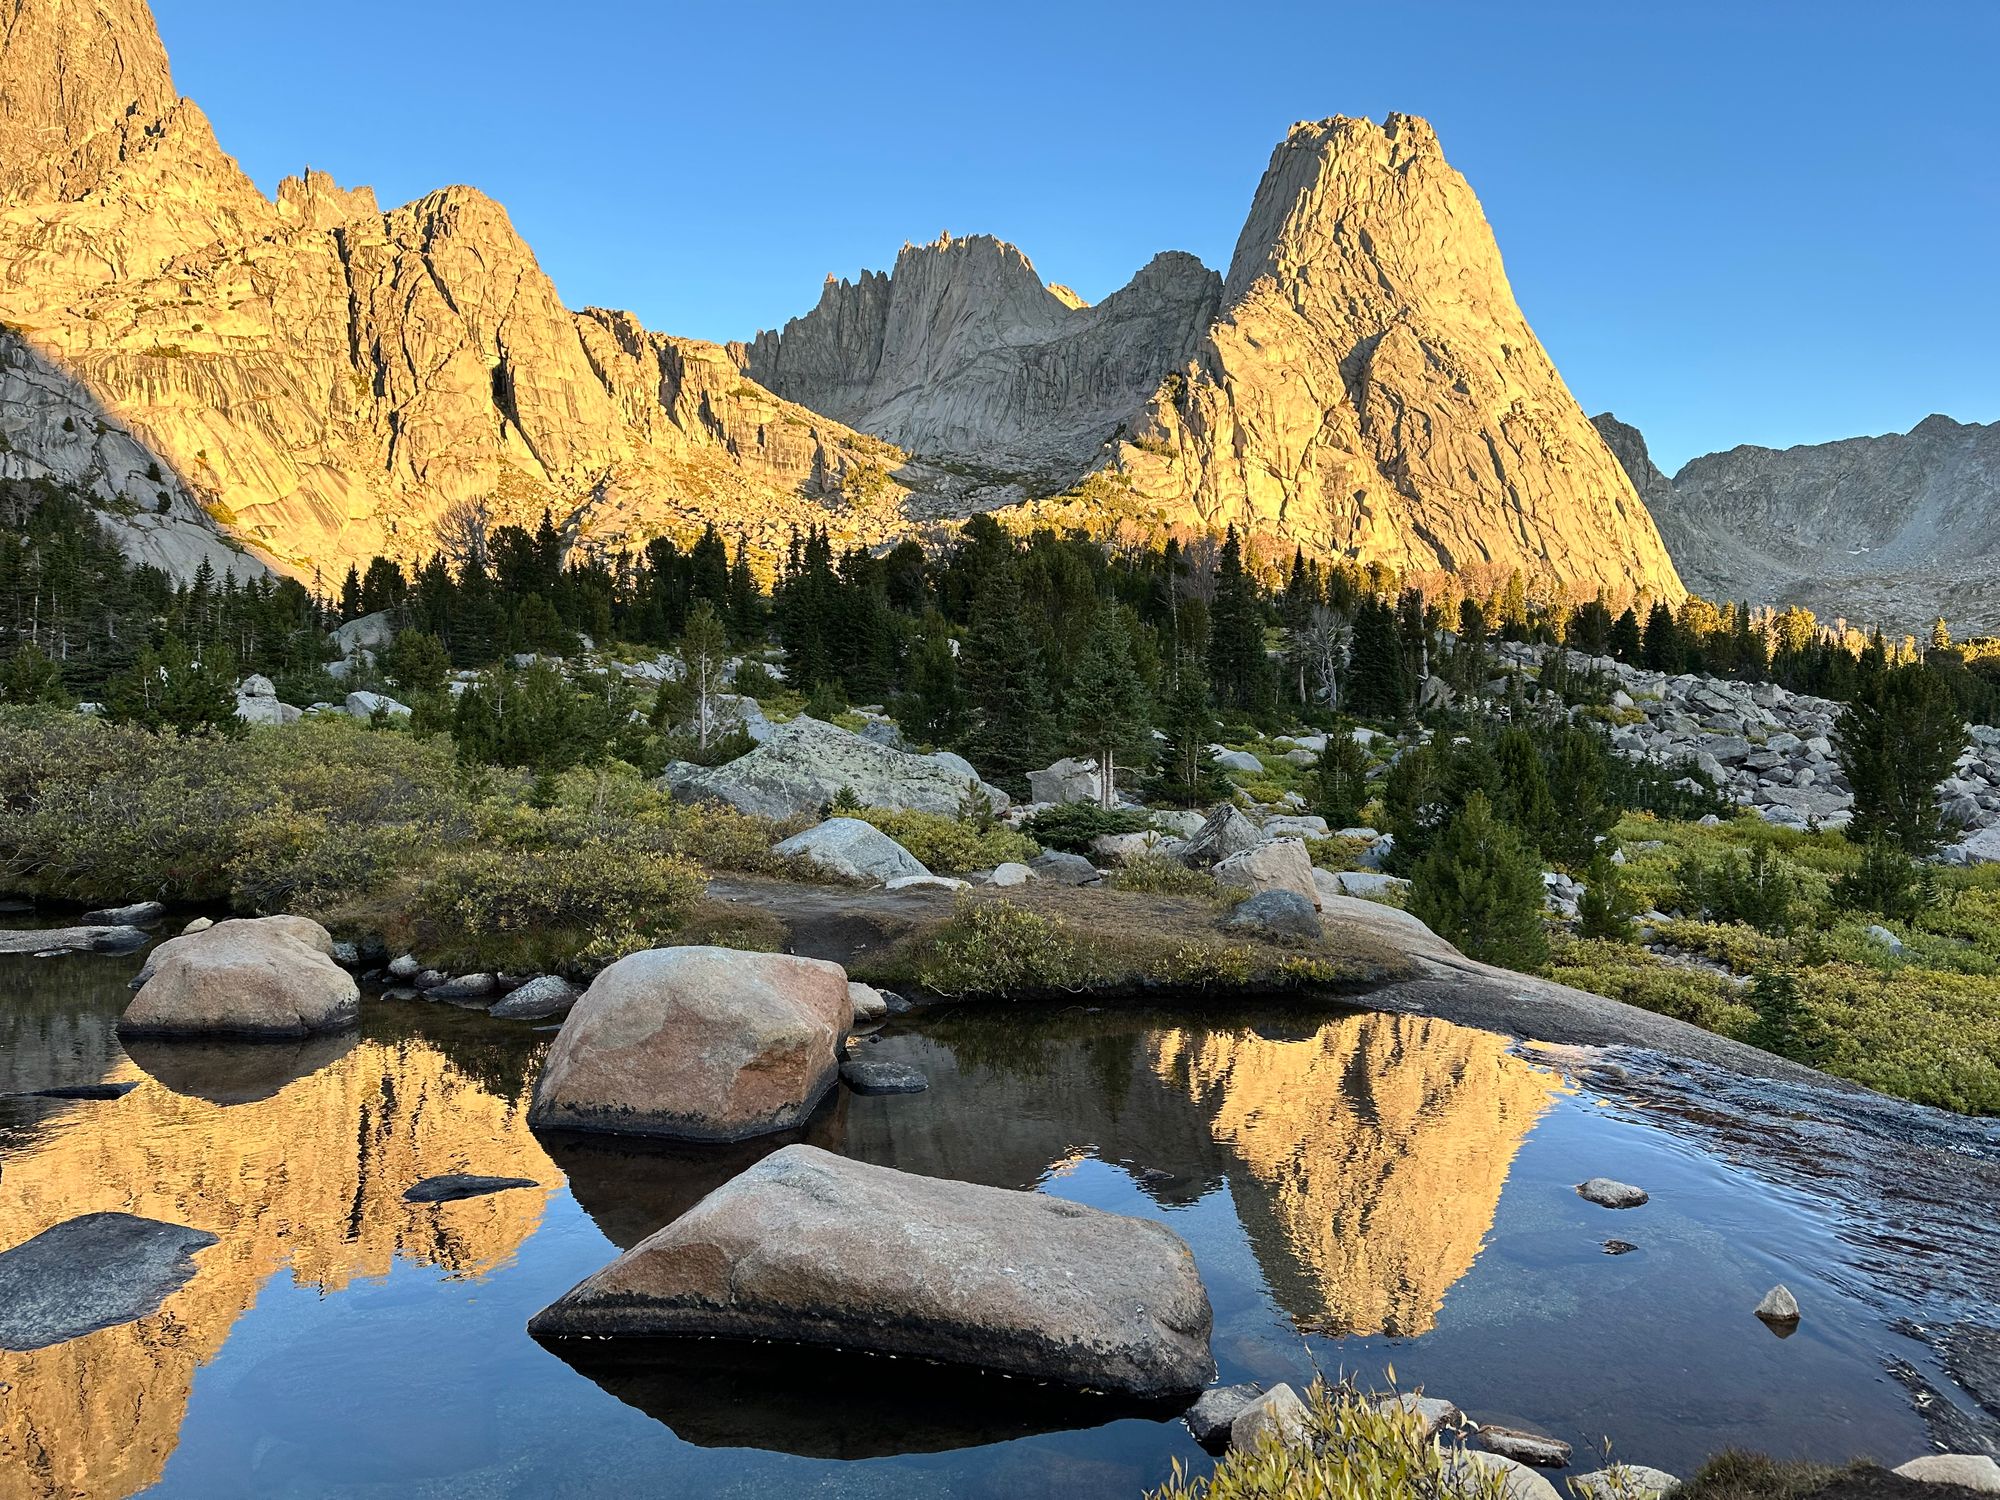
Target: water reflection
{"type": "Point", "coordinates": [299, 1172]}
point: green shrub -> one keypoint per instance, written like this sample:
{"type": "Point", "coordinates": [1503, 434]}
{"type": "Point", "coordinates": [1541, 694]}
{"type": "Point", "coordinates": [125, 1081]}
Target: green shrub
{"type": "Point", "coordinates": [1605, 909]}
{"type": "Point", "coordinates": [1352, 1447]}
{"type": "Point", "coordinates": [536, 910]}
{"type": "Point", "coordinates": [1072, 825]}
{"type": "Point", "coordinates": [755, 680]}
{"type": "Point", "coordinates": [947, 846]}
{"type": "Point", "coordinates": [1888, 882]}
{"type": "Point", "coordinates": [1163, 875]}
{"type": "Point", "coordinates": [1759, 889]}
{"type": "Point", "coordinates": [998, 948]}
{"type": "Point", "coordinates": [1624, 972]}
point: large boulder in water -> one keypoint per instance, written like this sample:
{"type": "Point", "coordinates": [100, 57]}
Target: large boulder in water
{"type": "Point", "coordinates": [806, 764]}
{"type": "Point", "coordinates": [249, 977]}
{"type": "Point", "coordinates": [809, 1247]}
{"type": "Point", "coordinates": [701, 1044]}
{"type": "Point", "coordinates": [91, 1272]}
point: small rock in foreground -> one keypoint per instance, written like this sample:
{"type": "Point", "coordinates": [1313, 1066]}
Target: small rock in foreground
{"type": "Point", "coordinates": [1524, 1447]}
{"type": "Point", "coordinates": [537, 1000]}
{"type": "Point", "coordinates": [1972, 1471]}
{"type": "Point", "coordinates": [1210, 1417]}
{"type": "Point", "coordinates": [1432, 1412]}
{"type": "Point", "coordinates": [1624, 1482]}
{"type": "Point", "coordinates": [252, 977]}
{"type": "Point", "coordinates": [1619, 1247]}
{"type": "Point", "coordinates": [451, 1186]}
{"type": "Point", "coordinates": [91, 1272]}
{"type": "Point", "coordinates": [810, 1247]}
{"type": "Point", "coordinates": [1517, 1480]}
{"type": "Point", "coordinates": [1275, 913]}
{"type": "Point", "coordinates": [1779, 1307]}
{"type": "Point", "coordinates": [1276, 1416]}
{"type": "Point", "coordinates": [1607, 1193]}
{"type": "Point", "coordinates": [883, 1078]}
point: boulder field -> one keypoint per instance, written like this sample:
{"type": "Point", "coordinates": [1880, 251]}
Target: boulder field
{"type": "Point", "coordinates": [248, 977]}
{"type": "Point", "coordinates": [700, 1044]}
{"type": "Point", "coordinates": [813, 1248]}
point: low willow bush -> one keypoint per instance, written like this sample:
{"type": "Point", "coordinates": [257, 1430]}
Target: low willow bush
{"type": "Point", "coordinates": [1163, 875]}
{"type": "Point", "coordinates": [549, 910]}
{"type": "Point", "coordinates": [996, 947]}
{"type": "Point", "coordinates": [1351, 1447]}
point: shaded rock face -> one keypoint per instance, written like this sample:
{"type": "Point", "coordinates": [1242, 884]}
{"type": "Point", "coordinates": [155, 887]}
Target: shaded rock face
{"type": "Point", "coordinates": [252, 977]}
{"type": "Point", "coordinates": [317, 380]}
{"type": "Point", "coordinates": [962, 353]}
{"type": "Point", "coordinates": [814, 1248]}
{"type": "Point", "coordinates": [92, 1272]}
{"type": "Point", "coordinates": [806, 763]}
{"type": "Point", "coordinates": [704, 1044]}
{"type": "Point", "coordinates": [1892, 530]}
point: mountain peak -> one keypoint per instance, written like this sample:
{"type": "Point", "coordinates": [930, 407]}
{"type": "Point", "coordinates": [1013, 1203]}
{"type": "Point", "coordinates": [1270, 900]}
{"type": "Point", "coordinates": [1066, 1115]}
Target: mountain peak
{"type": "Point", "coordinates": [79, 81]}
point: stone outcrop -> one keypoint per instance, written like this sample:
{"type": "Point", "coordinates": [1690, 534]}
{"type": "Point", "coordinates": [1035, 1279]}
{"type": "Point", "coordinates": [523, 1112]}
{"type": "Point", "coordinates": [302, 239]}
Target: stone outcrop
{"type": "Point", "coordinates": [1893, 530]}
{"type": "Point", "coordinates": [853, 850]}
{"type": "Point", "coordinates": [1362, 383]}
{"type": "Point", "coordinates": [806, 764]}
{"type": "Point", "coordinates": [962, 353]}
{"type": "Point", "coordinates": [248, 977]}
{"type": "Point", "coordinates": [91, 1272]}
{"type": "Point", "coordinates": [306, 381]}
{"type": "Point", "coordinates": [703, 1044]}
{"type": "Point", "coordinates": [814, 1248]}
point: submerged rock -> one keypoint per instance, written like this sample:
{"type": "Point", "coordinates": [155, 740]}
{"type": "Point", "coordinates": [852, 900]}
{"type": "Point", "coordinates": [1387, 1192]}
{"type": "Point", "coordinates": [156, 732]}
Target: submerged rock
{"type": "Point", "coordinates": [814, 1248]}
{"type": "Point", "coordinates": [449, 1187]}
{"type": "Point", "coordinates": [705, 1044]}
{"type": "Point", "coordinates": [1524, 1447]}
{"type": "Point", "coordinates": [52, 940]}
{"type": "Point", "coordinates": [537, 1000]}
{"type": "Point", "coordinates": [91, 1272]}
{"type": "Point", "coordinates": [1607, 1193]}
{"type": "Point", "coordinates": [85, 1090]}
{"type": "Point", "coordinates": [250, 977]}
{"type": "Point", "coordinates": [1209, 1419]}
{"type": "Point", "coordinates": [136, 915]}
{"type": "Point", "coordinates": [867, 1077]}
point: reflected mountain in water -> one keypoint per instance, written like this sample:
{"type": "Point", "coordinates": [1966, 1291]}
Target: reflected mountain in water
{"type": "Point", "coordinates": [1365, 1155]}
{"type": "Point", "coordinates": [100, 1415]}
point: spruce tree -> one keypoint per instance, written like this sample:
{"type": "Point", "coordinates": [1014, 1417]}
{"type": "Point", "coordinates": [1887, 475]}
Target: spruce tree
{"type": "Point", "coordinates": [1186, 774]}
{"type": "Point", "coordinates": [1625, 641]}
{"type": "Point", "coordinates": [350, 595]}
{"type": "Point", "coordinates": [1340, 779]}
{"type": "Point", "coordinates": [1899, 737]}
{"type": "Point", "coordinates": [1605, 910]}
{"type": "Point", "coordinates": [1523, 798]}
{"type": "Point", "coordinates": [1106, 712]}
{"type": "Point", "coordinates": [29, 677]}
{"type": "Point", "coordinates": [1010, 733]}
{"type": "Point", "coordinates": [1579, 810]}
{"type": "Point", "coordinates": [1377, 686]}
{"type": "Point", "coordinates": [1241, 671]}
{"type": "Point", "coordinates": [1662, 650]}
{"type": "Point", "coordinates": [932, 709]}
{"type": "Point", "coordinates": [1480, 889]}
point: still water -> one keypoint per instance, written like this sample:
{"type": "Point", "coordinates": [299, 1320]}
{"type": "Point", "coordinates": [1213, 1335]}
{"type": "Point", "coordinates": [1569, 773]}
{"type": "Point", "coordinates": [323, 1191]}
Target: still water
{"type": "Point", "coordinates": [1359, 1190]}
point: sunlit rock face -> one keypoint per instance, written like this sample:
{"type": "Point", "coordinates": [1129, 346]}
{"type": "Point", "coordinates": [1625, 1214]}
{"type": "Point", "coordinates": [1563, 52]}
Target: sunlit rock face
{"type": "Point", "coordinates": [1375, 1152]}
{"type": "Point", "coordinates": [99, 1416]}
{"type": "Point", "coordinates": [316, 380]}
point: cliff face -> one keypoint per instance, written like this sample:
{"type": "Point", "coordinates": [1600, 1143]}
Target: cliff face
{"type": "Point", "coordinates": [1362, 383]}
{"type": "Point", "coordinates": [1889, 530]}
{"type": "Point", "coordinates": [317, 380]}
{"type": "Point", "coordinates": [1372, 390]}
{"type": "Point", "coordinates": [962, 353]}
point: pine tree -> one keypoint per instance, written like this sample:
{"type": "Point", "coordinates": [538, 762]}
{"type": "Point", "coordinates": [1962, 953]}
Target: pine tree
{"type": "Point", "coordinates": [1481, 890]}
{"type": "Point", "coordinates": [1896, 741]}
{"type": "Point", "coordinates": [415, 663]}
{"type": "Point", "coordinates": [746, 602]}
{"type": "Point", "coordinates": [1579, 811]}
{"type": "Point", "coordinates": [29, 677]}
{"type": "Point", "coordinates": [932, 709]}
{"type": "Point", "coordinates": [1010, 732]}
{"type": "Point", "coordinates": [1626, 644]}
{"type": "Point", "coordinates": [1605, 910]}
{"type": "Point", "coordinates": [1662, 650]}
{"type": "Point", "coordinates": [1106, 712]}
{"type": "Point", "coordinates": [350, 595]}
{"type": "Point", "coordinates": [1523, 799]}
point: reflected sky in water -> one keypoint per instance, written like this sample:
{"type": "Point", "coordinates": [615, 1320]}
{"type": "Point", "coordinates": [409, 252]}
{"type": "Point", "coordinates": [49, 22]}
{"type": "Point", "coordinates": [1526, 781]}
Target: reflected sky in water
{"type": "Point", "coordinates": [1359, 1190]}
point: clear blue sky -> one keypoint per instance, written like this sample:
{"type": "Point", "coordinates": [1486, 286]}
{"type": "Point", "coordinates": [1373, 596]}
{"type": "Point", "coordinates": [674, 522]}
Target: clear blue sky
{"type": "Point", "coordinates": [1770, 221]}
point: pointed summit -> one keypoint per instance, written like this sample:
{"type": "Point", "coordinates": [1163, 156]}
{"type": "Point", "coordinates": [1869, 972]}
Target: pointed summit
{"type": "Point", "coordinates": [80, 83]}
